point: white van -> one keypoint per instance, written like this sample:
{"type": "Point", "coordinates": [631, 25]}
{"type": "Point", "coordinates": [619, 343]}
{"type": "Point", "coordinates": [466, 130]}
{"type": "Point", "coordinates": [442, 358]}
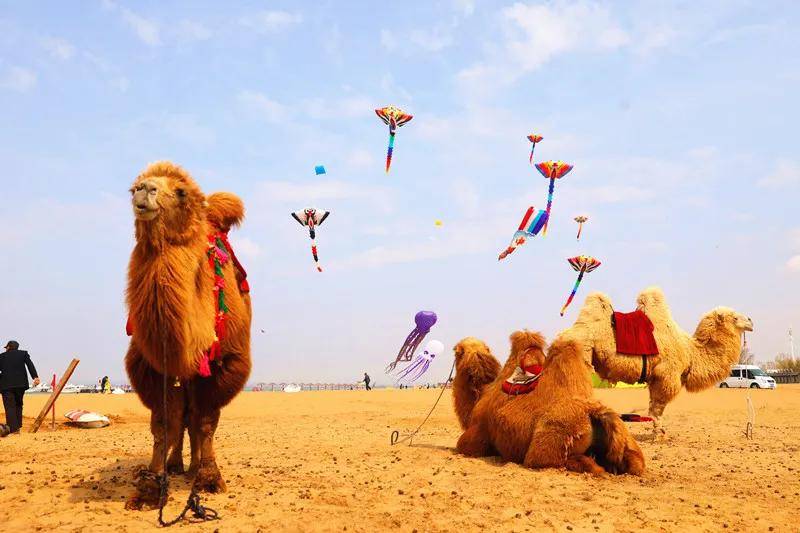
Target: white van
{"type": "Point", "coordinates": [748, 376]}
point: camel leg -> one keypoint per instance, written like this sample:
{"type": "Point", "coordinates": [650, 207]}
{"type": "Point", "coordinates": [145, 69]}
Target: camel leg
{"type": "Point", "coordinates": [194, 445]}
{"type": "Point", "coordinates": [474, 443]}
{"type": "Point", "coordinates": [175, 459]}
{"type": "Point", "coordinates": [661, 393]}
{"type": "Point", "coordinates": [208, 478]}
{"type": "Point", "coordinates": [551, 448]}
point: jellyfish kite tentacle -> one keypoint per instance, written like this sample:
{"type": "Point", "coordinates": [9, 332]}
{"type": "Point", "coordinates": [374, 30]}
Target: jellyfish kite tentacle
{"type": "Point", "coordinates": [411, 368]}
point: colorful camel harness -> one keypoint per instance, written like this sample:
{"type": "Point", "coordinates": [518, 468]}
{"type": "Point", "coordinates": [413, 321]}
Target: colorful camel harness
{"type": "Point", "coordinates": [219, 253]}
{"type": "Point", "coordinates": [523, 380]}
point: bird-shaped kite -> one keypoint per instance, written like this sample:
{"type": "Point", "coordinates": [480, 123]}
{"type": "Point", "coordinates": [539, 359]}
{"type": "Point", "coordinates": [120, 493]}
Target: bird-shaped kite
{"type": "Point", "coordinates": [581, 264]}
{"type": "Point", "coordinates": [312, 218]}
{"type": "Point", "coordinates": [424, 321]}
{"type": "Point", "coordinates": [580, 219]}
{"type": "Point", "coordinates": [531, 224]}
{"type": "Point", "coordinates": [552, 170]}
{"type": "Point", "coordinates": [394, 117]}
{"type": "Point", "coordinates": [421, 363]}
{"type": "Point", "coordinates": [533, 138]}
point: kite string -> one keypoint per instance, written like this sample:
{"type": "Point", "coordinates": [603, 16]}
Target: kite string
{"type": "Point", "coordinates": [396, 434]}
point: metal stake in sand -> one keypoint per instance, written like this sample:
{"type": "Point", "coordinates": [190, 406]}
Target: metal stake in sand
{"type": "Point", "coordinates": [751, 419]}
{"type": "Point", "coordinates": [52, 399]}
{"type": "Point", "coordinates": [395, 437]}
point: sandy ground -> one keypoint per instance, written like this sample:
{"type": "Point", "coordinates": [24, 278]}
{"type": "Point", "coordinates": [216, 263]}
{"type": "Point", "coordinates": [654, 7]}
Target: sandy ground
{"type": "Point", "coordinates": [322, 461]}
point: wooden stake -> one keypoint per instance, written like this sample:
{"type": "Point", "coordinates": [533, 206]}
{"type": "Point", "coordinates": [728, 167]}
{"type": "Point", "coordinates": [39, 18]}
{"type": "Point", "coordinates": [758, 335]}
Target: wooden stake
{"type": "Point", "coordinates": [52, 399]}
{"type": "Point", "coordinates": [53, 410]}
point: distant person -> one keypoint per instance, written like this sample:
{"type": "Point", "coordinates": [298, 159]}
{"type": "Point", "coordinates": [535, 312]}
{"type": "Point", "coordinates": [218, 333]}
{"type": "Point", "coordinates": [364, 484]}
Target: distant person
{"type": "Point", "coordinates": [14, 382]}
{"type": "Point", "coordinates": [366, 381]}
{"type": "Point", "coordinates": [105, 385]}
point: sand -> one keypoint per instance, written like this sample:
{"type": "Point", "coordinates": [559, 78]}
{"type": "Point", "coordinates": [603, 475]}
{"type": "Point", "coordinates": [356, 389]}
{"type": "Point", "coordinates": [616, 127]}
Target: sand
{"type": "Point", "coordinates": [322, 461]}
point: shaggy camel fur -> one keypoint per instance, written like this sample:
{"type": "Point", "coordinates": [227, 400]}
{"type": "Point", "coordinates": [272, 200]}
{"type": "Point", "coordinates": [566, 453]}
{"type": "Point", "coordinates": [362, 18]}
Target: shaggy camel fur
{"type": "Point", "coordinates": [171, 303]}
{"type": "Point", "coordinates": [696, 362]}
{"type": "Point", "coordinates": [558, 424]}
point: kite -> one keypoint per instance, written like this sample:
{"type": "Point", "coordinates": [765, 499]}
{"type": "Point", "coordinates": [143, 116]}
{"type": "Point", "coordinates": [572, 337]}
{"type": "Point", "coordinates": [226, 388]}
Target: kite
{"type": "Point", "coordinates": [424, 321]}
{"type": "Point", "coordinates": [531, 225]}
{"type": "Point", "coordinates": [580, 219]}
{"type": "Point", "coordinates": [312, 218]}
{"type": "Point", "coordinates": [533, 138]}
{"type": "Point", "coordinates": [581, 264]}
{"type": "Point", "coordinates": [552, 170]}
{"type": "Point", "coordinates": [319, 169]}
{"type": "Point", "coordinates": [422, 362]}
{"type": "Point", "coordinates": [437, 223]}
{"type": "Point", "coordinates": [394, 117]}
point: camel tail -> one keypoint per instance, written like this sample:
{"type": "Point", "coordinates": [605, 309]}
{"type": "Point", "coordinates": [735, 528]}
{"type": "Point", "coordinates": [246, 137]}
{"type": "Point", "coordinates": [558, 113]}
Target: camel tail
{"type": "Point", "coordinates": [616, 449]}
{"type": "Point", "coordinates": [225, 210]}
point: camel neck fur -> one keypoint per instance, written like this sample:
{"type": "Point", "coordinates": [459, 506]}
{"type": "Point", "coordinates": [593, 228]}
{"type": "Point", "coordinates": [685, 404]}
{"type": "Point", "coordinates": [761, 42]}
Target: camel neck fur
{"type": "Point", "coordinates": [715, 347]}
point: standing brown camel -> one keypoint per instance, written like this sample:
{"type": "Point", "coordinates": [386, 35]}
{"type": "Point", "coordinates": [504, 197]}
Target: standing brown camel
{"type": "Point", "coordinates": [696, 362]}
{"type": "Point", "coordinates": [557, 423]}
{"type": "Point", "coordinates": [189, 318]}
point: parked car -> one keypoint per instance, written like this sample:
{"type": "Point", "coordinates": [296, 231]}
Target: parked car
{"type": "Point", "coordinates": [748, 376]}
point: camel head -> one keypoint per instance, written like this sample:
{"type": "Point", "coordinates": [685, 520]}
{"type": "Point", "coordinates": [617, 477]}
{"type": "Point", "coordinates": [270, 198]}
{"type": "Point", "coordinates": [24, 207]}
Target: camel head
{"type": "Point", "coordinates": [473, 357]}
{"type": "Point", "coordinates": [721, 321]}
{"type": "Point", "coordinates": [165, 195]}
{"type": "Point", "coordinates": [527, 349]}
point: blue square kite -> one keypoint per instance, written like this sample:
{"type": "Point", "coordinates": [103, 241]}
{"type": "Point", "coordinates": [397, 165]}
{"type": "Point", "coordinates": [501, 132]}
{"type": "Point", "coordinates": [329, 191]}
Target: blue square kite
{"type": "Point", "coordinates": [319, 169]}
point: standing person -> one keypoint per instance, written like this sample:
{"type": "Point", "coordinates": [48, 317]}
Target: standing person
{"type": "Point", "coordinates": [367, 380]}
{"type": "Point", "coordinates": [105, 385]}
{"type": "Point", "coordinates": [14, 382]}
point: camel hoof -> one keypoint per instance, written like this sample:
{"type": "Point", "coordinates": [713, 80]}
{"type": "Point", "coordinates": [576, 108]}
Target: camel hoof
{"type": "Point", "coordinates": [148, 492]}
{"type": "Point", "coordinates": [209, 479]}
{"type": "Point", "coordinates": [192, 470]}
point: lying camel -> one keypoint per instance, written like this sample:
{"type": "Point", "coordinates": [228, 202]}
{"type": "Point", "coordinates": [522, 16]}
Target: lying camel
{"type": "Point", "coordinates": [696, 362]}
{"type": "Point", "coordinates": [556, 424]}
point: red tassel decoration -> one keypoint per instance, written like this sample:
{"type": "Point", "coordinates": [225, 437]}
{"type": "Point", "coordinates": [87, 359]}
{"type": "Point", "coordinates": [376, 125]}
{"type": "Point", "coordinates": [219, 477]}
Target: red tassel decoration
{"type": "Point", "coordinates": [202, 368]}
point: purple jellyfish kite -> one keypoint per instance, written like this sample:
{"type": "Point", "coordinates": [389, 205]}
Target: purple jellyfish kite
{"type": "Point", "coordinates": [425, 321]}
{"type": "Point", "coordinates": [422, 361]}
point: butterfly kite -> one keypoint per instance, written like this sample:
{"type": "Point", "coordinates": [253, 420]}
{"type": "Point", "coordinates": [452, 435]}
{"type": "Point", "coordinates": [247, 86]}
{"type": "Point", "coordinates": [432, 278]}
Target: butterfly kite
{"type": "Point", "coordinates": [581, 264]}
{"type": "Point", "coordinates": [580, 219]}
{"type": "Point", "coordinates": [533, 138]}
{"type": "Point", "coordinates": [552, 170]}
{"type": "Point", "coordinates": [393, 117]}
{"type": "Point", "coordinates": [421, 363]}
{"type": "Point", "coordinates": [424, 321]}
{"type": "Point", "coordinates": [312, 218]}
{"type": "Point", "coordinates": [531, 224]}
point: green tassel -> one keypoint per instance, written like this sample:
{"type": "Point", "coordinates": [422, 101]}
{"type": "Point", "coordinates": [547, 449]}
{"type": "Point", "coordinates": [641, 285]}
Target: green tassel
{"type": "Point", "coordinates": [222, 306]}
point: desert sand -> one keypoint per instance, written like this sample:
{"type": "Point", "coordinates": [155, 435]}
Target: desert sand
{"type": "Point", "coordinates": [322, 461]}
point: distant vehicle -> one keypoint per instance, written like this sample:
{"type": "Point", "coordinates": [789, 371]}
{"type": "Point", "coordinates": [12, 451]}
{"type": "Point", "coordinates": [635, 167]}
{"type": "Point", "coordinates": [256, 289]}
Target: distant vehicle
{"type": "Point", "coordinates": [40, 388]}
{"type": "Point", "coordinates": [748, 376]}
{"type": "Point", "coordinates": [69, 388]}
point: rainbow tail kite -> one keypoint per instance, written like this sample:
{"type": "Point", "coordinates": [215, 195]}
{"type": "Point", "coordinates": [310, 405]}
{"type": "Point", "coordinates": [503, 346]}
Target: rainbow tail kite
{"type": "Point", "coordinates": [580, 227]}
{"type": "Point", "coordinates": [533, 138]}
{"type": "Point", "coordinates": [389, 151]}
{"type": "Point", "coordinates": [552, 170]}
{"type": "Point", "coordinates": [530, 226]}
{"type": "Point", "coordinates": [582, 264]}
{"type": "Point", "coordinates": [393, 117]}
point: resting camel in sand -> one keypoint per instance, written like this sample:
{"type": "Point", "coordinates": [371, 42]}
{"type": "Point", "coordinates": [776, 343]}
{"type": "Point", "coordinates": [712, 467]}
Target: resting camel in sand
{"type": "Point", "coordinates": [557, 424]}
{"type": "Point", "coordinates": [178, 322]}
{"type": "Point", "coordinates": [696, 362]}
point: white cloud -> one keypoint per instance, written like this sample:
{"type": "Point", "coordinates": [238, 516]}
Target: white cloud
{"type": "Point", "coordinates": [187, 128]}
{"type": "Point", "coordinates": [271, 21]}
{"type": "Point", "coordinates": [58, 48]}
{"type": "Point", "coordinates": [432, 40]}
{"type": "Point", "coordinates": [360, 158]}
{"type": "Point", "coordinates": [464, 7]}
{"type": "Point", "coordinates": [288, 192]}
{"type": "Point", "coordinates": [267, 108]}
{"type": "Point", "coordinates": [785, 174]}
{"type": "Point", "coordinates": [189, 30]}
{"type": "Point", "coordinates": [146, 29]}
{"type": "Point", "coordinates": [245, 247]}
{"type": "Point", "coordinates": [793, 264]}
{"type": "Point", "coordinates": [465, 196]}
{"type": "Point", "coordinates": [18, 79]}
{"type": "Point", "coordinates": [348, 107]}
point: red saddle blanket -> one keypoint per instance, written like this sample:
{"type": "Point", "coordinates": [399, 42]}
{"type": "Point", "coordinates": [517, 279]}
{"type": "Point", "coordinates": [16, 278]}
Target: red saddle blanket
{"type": "Point", "coordinates": [523, 381]}
{"type": "Point", "coordinates": [634, 333]}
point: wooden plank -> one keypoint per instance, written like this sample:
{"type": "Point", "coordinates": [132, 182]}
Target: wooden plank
{"type": "Point", "coordinates": [52, 399]}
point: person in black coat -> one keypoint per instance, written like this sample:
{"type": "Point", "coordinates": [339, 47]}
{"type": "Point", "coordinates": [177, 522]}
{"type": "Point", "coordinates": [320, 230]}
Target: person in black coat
{"type": "Point", "coordinates": [14, 383]}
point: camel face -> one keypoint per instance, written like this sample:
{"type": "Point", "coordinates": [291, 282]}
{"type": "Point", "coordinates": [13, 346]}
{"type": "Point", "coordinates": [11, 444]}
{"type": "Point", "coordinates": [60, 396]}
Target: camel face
{"type": "Point", "coordinates": [147, 196]}
{"type": "Point", "coordinates": [743, 323]}
{"type": "Point", "coordinates": [468, 350]}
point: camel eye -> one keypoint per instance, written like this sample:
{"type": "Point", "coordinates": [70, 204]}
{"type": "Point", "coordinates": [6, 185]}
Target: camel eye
{"type": "Point", "coordinates": [181, 193]}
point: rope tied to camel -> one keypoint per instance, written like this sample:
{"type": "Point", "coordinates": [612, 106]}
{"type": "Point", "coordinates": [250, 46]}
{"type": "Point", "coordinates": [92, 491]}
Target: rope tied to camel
{"type": "Point", "coordinates": [393, 439]}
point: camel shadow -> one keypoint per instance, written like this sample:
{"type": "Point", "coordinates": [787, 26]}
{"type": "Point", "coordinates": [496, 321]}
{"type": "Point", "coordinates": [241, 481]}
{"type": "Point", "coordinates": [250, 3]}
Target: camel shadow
{"type": "Point", "coordinates": [114, 482]}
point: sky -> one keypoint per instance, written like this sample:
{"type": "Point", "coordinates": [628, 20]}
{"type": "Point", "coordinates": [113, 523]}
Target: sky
{"type": "Point", "coordinates": [679, 119]}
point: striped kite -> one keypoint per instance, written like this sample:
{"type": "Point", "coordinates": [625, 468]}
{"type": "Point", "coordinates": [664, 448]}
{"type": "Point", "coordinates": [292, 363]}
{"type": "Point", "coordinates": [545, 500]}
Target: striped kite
{"type": "Point", "coordinates": [312, 218]}
{"type": "Point", "coordinates": [581, 264]}
{"type": "Point", "coordinates": [552, 170]}
{"type": "Point", "coordinates": [531, 224]}
{"type": "Point", "coordinates": [533, 138]}
{"type": "Point", "coordinates": [580, 219]}
{"type": "Point", "coordinates": [394, 118]}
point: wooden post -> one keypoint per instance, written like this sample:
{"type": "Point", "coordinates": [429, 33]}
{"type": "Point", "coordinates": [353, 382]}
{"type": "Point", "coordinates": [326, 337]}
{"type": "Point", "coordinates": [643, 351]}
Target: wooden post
{"type": "Point", "coordinates": [52, 399]}
{"type": "Point", "coordinates": [53, 410]}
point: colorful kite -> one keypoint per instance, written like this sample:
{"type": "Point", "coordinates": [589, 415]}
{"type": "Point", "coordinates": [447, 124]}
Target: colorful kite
{"type": "Point", "coordinates": [552, 170]}
{"type": "Point", "coordinates": [394, 117]}
{"type": "Point", "coordinates": [319, 169]}
{"type": "Point", "coordinates": [581, 264]}
{"type": "Point", "coordinates": [312, 218]}
{"type": "Point", "coordinates": [424, 321]}
{"type": "Point", "coordinates": [422, 361]}
{"type": "Point", "coordinates": [580, 219]}
{"type": "Point", "coordinates": [533, 138]}
{"type": "Point", "coordinates": [531, 225]}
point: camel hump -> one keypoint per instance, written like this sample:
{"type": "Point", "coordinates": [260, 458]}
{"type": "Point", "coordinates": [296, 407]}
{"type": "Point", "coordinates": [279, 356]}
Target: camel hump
{"type": "Point", "coordinates": [652, 301]}
{"type": "Point", "coordinates": [525, 340]}
{"type": "Point", "coordinates": [225, 210]}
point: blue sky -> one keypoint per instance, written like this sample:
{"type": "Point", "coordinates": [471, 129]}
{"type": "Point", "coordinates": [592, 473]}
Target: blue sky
{"type": "Point", "coordinates": [679, 118]}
